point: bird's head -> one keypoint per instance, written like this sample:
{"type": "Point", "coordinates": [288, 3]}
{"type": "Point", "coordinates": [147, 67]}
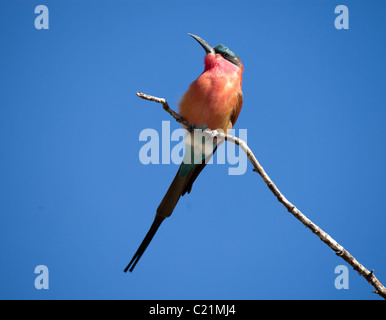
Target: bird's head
{"type": "Point", "coordinates": [220, 51]}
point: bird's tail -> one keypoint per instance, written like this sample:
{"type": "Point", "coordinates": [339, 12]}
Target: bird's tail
{"type": "Point", "coordinates": [153, 229]}
{"type": "Point", "coordinates": [179, 186]}
{"type": "Point", "coordinates": [164, 210]}
{"type": "Point", "coordinates": [175, 191]}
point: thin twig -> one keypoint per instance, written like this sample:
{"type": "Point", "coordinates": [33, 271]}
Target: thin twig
{"type": "Point", "coordinates": [325, 237]}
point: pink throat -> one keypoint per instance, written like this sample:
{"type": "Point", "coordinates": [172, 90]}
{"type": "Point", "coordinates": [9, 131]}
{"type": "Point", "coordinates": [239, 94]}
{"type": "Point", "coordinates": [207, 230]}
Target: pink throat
{"type": "Point", "coordinates": [217, 62]}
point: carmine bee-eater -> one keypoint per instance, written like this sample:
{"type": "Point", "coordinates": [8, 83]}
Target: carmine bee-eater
{"type": "Point", "coordinates": [213, 101]}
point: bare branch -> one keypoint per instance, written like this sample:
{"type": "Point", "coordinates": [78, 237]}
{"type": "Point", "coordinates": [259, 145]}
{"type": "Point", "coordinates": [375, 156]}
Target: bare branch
{"type": "Point", "coordinates": [325, 237]}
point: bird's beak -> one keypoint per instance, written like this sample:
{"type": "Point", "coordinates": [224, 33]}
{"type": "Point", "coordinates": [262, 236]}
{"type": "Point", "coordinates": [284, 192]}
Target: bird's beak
{"type": "Point", "coordinates": [203, 43]}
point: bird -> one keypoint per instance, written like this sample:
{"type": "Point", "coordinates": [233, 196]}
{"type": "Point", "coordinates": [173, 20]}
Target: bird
{"type": "Point", "coordinates": [213, 101]}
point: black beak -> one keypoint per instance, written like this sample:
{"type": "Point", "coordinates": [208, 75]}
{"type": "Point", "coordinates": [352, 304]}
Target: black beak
{"type": "Point", "coordinates": [203, 43]}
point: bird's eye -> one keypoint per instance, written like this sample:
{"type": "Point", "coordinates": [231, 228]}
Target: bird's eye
{"type": "Point", "coordinates": [226, 55]}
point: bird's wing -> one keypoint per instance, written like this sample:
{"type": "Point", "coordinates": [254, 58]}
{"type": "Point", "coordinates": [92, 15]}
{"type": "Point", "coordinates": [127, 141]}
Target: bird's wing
{"type": "Point", "coordinates": [237, 101]}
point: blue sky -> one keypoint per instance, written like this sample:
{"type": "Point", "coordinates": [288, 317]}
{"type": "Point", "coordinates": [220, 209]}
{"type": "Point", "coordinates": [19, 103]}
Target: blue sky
{"type": "Point", "coordinates": [75, 197]}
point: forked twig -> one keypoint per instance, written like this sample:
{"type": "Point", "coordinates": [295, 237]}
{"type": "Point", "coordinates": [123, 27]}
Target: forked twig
{"type": "Point", "coordinates": [325, 237]}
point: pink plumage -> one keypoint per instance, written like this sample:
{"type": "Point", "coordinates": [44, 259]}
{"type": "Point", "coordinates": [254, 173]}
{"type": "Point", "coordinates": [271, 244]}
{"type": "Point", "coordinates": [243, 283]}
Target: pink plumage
{"type": "Point", "coordinates": [215, 98]}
